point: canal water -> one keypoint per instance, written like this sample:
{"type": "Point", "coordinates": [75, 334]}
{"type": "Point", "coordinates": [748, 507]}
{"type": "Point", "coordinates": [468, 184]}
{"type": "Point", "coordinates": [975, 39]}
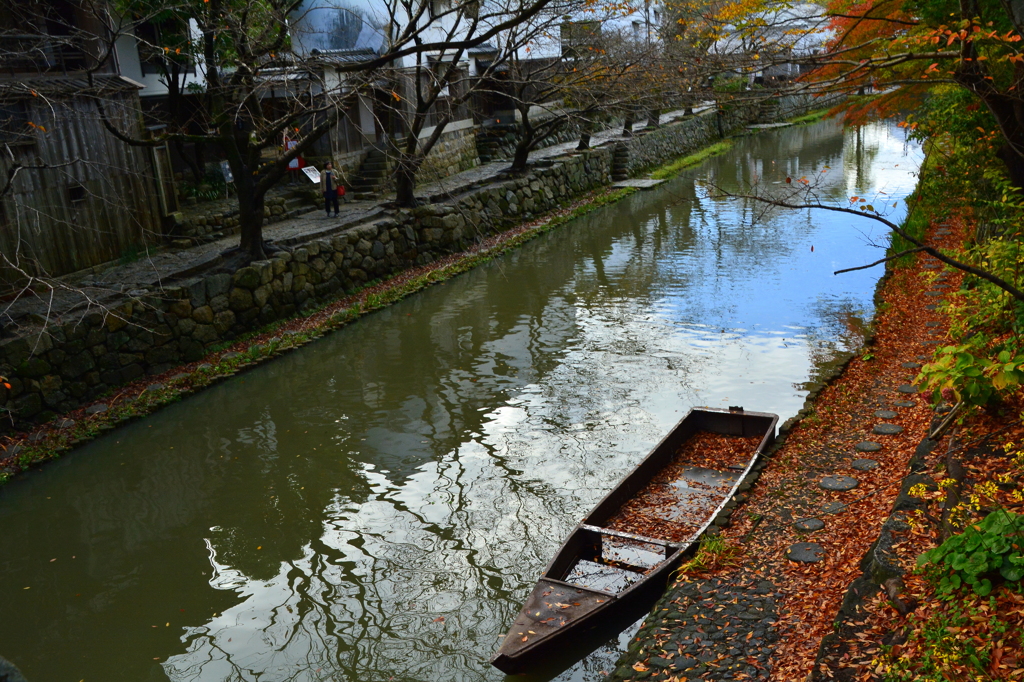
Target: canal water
{"type": "Point", "coordinates": [376, 505]}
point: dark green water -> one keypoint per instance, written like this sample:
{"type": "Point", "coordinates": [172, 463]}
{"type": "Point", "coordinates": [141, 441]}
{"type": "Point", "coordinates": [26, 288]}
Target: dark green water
{"type": "Point", "coordinates": [375, 506]}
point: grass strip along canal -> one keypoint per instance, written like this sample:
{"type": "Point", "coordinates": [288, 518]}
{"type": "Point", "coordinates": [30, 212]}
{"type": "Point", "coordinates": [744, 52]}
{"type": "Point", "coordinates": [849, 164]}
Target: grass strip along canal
{"type": "Point", "coordinates": [379, 503]}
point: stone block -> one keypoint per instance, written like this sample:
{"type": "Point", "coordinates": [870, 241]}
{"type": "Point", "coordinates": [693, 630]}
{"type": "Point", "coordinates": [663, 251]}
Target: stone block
{"type": "Point", "coordinates": [191, 350]}
{"type": "Point", "coordinates": [108, 361]}
{"type": "Point", "coordinates": [205, 333]}
{"type": "Point", "coordinates": [181, 309]}
{"type": "Point", "coordinates": [132, 372]}
{"type": "Point", "coordinates": [28, 405]}
{"type": "Point", "coordinates": [300, 255]}
{"type": "Point", "coordinates": [266, 270]}
{"type": "Point", "coordinates": [111, 377]}
{"type": "Point", "coordinates": [247, 278]}
{"type": "Point", "coordinates": [186, 327]}
{"type": "Point", "coordinates": [196, 293]}
{"type": "Point", "coordinates": [164, 354]}
{"type": "Point", "coordinates": [125, 359]}
{"type": "Point", "coordinates": [261, 295]}
{"type": "Point", "coordinates": [117, 340]}
{"type": "Point", "coordinates": [217, 285]}
{"type": "Point", "coordinates": [219, 303]}
{"type": "Point", "coordinates": [33, 368]}
{"type": "Point", "coordinates": [240, 299]}
{"type": "Point", "coordinates": [224, 320]}
{"type": "Point", "coordinates": [50, 383]}
{"type": "Point", "coordinates": [203, 315]}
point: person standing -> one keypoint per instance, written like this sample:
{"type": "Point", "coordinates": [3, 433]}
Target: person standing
{"type": "Point", "coordinates": [329, 187]}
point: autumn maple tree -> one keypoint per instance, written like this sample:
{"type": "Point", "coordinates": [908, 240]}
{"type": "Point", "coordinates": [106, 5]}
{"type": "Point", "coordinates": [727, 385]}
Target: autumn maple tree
{"type": "Point", "coordinates": [917, 44]}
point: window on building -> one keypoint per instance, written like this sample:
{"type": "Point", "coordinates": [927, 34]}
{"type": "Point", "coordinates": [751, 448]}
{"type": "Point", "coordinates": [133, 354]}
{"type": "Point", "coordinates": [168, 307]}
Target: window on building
{"type": "Point", "coordinates": [76, 195]}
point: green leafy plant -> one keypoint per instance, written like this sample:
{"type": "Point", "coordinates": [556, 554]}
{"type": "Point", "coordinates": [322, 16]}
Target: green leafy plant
{"type": "Point", "coordinates": [985, 551]}
{"type": "Point", "coordinates": [958, 373]}
{"type": "Point", "coordinates": [714, 552]}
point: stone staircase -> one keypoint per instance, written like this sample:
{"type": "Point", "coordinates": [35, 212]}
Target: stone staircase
{"type": "Point", "coordinates": [299, 202]}
{"type": "Point", "coordinates": [371, 176]}
{"type": "Point", "coordinates": [496, 142]}
{"type": "Point", "coordinates": [620, 163]}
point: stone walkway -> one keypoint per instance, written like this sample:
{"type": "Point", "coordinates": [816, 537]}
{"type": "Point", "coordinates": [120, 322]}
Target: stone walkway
{"type": "Point", "coordinates": [714, 630]}
{"type": "Point", "coordinates": [106, 285]}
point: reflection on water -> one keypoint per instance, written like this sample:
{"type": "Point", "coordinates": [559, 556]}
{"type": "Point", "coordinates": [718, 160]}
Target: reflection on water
{"type": "Point", "coordinates": [376, 505]}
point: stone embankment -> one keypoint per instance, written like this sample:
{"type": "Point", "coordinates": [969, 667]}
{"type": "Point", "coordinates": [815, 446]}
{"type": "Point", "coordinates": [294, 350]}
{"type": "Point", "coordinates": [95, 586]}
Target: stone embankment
{"type": "Point", "coordinates": [81, 354]}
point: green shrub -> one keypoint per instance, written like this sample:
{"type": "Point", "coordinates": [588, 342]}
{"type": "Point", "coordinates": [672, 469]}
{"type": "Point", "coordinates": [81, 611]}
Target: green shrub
{"type": "Point", "coordinates": [984, 552]}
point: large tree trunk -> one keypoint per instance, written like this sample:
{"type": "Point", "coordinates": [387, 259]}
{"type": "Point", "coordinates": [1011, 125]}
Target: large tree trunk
{"type": "Point", "coordinates": [405, 183]}
{"type": "Point", "coordinates": [1008, 114]}
{"type": "Point", "coordinates": [250, 219]}
{"type": "Point", "coordinates": [522, 153]}
{"type": "Point", "coordinates": [524, 144]}
{"type": "Point", "coordinates": [584, 136]}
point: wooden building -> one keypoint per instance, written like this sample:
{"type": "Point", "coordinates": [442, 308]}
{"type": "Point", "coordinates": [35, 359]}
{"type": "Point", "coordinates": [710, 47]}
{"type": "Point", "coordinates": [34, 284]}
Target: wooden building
{"type": "Point", "coordinates": [77, 196]}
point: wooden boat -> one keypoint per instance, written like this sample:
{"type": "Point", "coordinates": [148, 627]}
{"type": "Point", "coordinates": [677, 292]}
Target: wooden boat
{"type": "Point", "coordinates": [606, 573]}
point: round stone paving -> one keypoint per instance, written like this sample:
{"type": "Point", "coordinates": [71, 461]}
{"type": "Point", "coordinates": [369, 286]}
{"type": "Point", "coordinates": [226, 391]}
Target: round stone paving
{"type": "Point", "coordinates": [931, 306]}
{"type": "Point", "coordinates": [838, 483]}
{"type": "Point", "coordinates": [863, 464]}
{"type": "Point", "coordinates": [809, 525]}
{"type": "Point", "coordinates": [887, 429]}
{"type": "Point", "coordinates": [911, 365]}
{"type": "Point", "coordinates": [833, 507]}
{"type": "Point", "coordinates": [907, 388]}
{"type": "Point", "coordinates": [904, 403]}
{"type": "Point", "coordinates": [933, 293]}
{"type": "Point", "coordinates": [867, 446]}
{"type": "Point", "coordinates": [886, 414]}
{"type": "Point", "coordinates": [805, 552]}
{"type": "Point", "coordinates": [931, 266]}
{"type": "Point", "coordinates": [931, 324]}
{"type": "Point", "coordinates": [96, 409]}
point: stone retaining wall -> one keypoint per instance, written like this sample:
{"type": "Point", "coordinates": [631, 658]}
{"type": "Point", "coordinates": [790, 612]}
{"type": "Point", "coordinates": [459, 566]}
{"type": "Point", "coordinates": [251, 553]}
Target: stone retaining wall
{"type": "Point", "coordinates": [453, 153]}
{"type": "Point", "coordinates": [58, 368]}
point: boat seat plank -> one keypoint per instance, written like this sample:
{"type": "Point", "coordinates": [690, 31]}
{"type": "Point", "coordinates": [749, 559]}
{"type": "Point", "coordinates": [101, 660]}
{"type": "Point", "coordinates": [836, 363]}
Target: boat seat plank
{"type": "Point", "coordinates": [630, 536]}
